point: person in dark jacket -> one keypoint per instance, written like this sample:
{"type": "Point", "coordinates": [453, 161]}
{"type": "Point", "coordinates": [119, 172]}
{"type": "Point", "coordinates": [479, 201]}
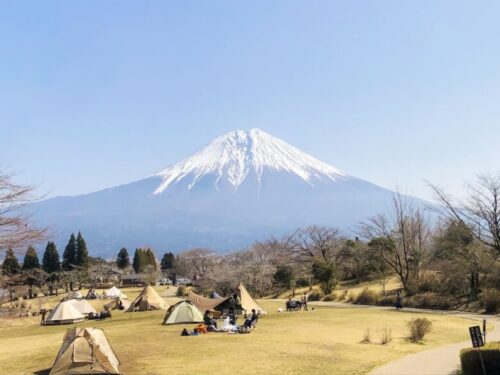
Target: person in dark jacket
{"type": "Point", "coordinates": [209, 320]}
{"type": "Point", "coordinates": [399, 301]}
{"type": "Point", "coordinates": [251, 320]}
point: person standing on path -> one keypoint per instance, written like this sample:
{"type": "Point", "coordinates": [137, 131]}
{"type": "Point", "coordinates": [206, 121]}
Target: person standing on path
{"type": "Point", "coordinates": [304, 301]}
{"type": "Point", "coordinates": [399, 301]}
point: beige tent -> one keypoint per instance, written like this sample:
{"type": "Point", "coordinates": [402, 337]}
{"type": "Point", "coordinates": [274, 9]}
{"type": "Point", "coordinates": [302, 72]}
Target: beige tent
{"type": "Point", "coordinates": [247, 302]}
{"type": "Point", "coordinates": [115, 304]}
{"type": "Point", "coordinates": [204, 303]}
{"type": "Point", "coordinates": [183, 312]}
{"type": "Point", "coordinates": [85, 351]}
{"type": "Point", "coordinates": [83, 306]}
{"type": "Point", "coordinates": [64, 313]}
{"type": "Point", "coordinates": [148, 300]}
{"type": "Point", "coordinates": [114, 292]}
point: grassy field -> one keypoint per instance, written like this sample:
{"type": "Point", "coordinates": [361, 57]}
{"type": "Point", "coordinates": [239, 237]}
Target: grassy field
{"type": "Point", "coordinates": [323, 341]}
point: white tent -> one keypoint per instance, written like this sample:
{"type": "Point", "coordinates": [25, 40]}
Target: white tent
{"type": "Point", "coordinates": [83, 306]}
{"type": "Point", "coordinates": [64, 313]}
{"type": "Point", "coordinates": [114, 292]}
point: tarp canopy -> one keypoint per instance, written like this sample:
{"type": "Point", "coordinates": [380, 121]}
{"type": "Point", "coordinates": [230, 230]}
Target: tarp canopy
{"type": "Point", "coordinates": [115, 304]}
{"type": "Point", "coordinates": [204, 303]}
{"type": "Point", "coordinates": [183, 312]}
{"type": "Point", "coordinates": [148, 300]}
{"type": "Point", "coordinates": [85, 351]}
{"type": "Point", "coordinates": [114, 292]}
{"type": "Point", "coordinates": [83, 306]}
{"type": "Point", "coordinates": [247, 302]}
{"type": "Point", "coordinates": [64, 313]}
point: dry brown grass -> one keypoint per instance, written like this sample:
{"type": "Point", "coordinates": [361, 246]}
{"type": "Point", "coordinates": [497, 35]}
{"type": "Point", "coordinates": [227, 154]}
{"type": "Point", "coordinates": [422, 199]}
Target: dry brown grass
{"type": "Point", "coordinates": [323, 341]}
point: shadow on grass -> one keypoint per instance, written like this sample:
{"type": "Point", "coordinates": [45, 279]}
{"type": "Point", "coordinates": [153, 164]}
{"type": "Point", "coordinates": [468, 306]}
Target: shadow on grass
{"type": "Point", "coordinates": [42, 372]}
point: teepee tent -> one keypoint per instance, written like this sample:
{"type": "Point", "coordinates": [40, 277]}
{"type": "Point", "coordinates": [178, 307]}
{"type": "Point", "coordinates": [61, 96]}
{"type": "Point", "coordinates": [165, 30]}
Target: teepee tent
{"type": "Point", "coordinates": [85, 351]}
{"type": "Point", "coordinates": [148, 300]}
{"type": "Point", "coordinates": [183, 312]}
{"type": "Point", "coordinates": [83, 306]}
{"type": "Point", "coordinates": [114, 292]}
{"type": "Point", "coordinates": [115, 304]}
{"type": "Point", "coordinates": [213, 305]}
{"type": "Point", "coordinates": [247, 302]}
{"type": "Point", "coordinates": [64, 313]}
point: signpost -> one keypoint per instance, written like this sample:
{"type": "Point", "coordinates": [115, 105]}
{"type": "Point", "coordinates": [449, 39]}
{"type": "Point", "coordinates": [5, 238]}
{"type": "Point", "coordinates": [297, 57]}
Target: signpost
{"type": "Point", "coordinates": [477, 341]}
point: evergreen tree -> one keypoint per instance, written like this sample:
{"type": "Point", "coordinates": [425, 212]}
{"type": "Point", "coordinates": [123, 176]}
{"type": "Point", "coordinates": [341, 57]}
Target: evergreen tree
{"type": "Point", "coordinates": [136, 264]}
{"type": "Point", "coordinates": [167, 261]}
{"type": "Point", "coordinates": [150, 258]}
{"type": "Point", "coordinates": [82, 255]}
{"type": "Point", "coordinates": [10, 264]}
{"type": "Point", "coordinates": [69, 255]}
{"type": "Point", "coordinates": [122, 260]}
{"type": "Point", "coordinates": [50, 261]}
{"type": "Point", "coordinates": [31, 259]}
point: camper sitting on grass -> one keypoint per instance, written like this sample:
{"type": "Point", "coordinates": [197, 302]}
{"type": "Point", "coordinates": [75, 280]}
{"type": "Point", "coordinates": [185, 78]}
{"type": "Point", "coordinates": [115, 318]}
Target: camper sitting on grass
{"type": "Point", "coordinates": [251, 320]}
{"type": "Point", "coordinates": [209, 321]}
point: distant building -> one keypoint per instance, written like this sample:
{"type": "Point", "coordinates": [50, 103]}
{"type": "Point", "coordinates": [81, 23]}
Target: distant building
{"type": "Point", "coordinates": [135, 279]}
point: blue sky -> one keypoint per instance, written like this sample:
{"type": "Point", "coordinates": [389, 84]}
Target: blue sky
{"type": "Point", "coordinates": [99, 93]}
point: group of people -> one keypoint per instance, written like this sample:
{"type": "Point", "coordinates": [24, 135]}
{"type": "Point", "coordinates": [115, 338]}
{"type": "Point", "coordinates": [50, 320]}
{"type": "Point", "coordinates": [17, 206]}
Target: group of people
{"type": "Point", "coordinates": [229, 324]}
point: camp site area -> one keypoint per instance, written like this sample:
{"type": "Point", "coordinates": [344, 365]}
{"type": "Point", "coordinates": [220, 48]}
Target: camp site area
{"type": "Point", "coordinates": [325, 340]}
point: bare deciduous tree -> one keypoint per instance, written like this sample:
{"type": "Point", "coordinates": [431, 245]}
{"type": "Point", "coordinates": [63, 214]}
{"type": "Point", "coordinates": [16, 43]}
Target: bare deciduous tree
{"type": "Point", "coordinates": [480, 211]}
{"type": "Point", "coordinates": [402, 239]}
{"type": "Point", "coordinates": [315, 242]}
{"type": "Point", "coordinates": [16, 230]}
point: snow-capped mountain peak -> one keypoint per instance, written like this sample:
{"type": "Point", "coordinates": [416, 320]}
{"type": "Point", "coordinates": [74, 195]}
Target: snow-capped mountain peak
{"type": "Point", "coordinates": [241, 153]}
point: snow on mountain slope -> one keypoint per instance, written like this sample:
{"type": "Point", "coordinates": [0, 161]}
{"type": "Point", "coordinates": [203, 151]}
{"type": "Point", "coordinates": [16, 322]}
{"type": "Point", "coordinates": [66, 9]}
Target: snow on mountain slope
{"type": "Point", "coordinates": [232, 157]}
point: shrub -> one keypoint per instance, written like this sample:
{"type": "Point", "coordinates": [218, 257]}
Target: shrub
{"type": "Point", "coordinates": [419, 327]}
{"type": "Point", "coordinates": [343, 295]}
{"type": "Point", "coordinates": [385, 336]}
{"type": "Point", "coordinates": [429, 301]}
{"type": "Point", "coordinates": [366, 297]}
{"type": "Point", "coordinates": [329, 298]}
{"type": "Point", "coordinates": [387, 301]}
{"type": "Point", "coordinates": [471, 363]}
{"type": "Point", "coordinates": [366, 337]}
{"type": "Point", "coordinates": [490, 300]}
{"type": "Point", "coordinates": [429, 282]}
{"type": "Point", "coordinates": [181, 291]}
{"type": "Point", "coordinates": [315, 296]}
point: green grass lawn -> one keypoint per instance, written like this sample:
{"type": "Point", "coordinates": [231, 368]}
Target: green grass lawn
{"type": "Point", "coordinates": [323, 341]}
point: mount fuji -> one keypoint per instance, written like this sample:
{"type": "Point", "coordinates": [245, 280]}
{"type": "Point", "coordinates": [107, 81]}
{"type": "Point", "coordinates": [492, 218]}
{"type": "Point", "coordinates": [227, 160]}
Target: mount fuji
{"type": "Point", "coordinates": [243, 186]}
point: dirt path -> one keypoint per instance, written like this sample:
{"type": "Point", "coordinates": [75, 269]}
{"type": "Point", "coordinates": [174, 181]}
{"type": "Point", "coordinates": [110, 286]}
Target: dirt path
{"type": "Point", "coordinates": [443, 360]}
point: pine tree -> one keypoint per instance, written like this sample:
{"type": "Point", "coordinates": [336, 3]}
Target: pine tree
{"type": "Point", "coordinates": [50, 261]}
{"type": "Point", "coordinates": [69, 255]}
{"type": "Point", "coordinates": [167, 261]}
{"type": "Point", "coordinates": [122, 260]}
{"type": "Point", "coordinates": [31, 259]}
{"type": "Point", "coordinates": [150, 258]}
{"type": "Point", "coordinates": [136, 264]}
{"type": "Point", "coordinates": [10, 264]}
{"type": "Point", "coordinates": [82, 255]}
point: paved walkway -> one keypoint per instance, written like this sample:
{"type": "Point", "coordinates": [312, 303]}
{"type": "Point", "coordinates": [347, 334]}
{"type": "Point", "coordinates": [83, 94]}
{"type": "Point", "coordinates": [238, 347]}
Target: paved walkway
{"type": "Point", "coordinates": [443, 360]}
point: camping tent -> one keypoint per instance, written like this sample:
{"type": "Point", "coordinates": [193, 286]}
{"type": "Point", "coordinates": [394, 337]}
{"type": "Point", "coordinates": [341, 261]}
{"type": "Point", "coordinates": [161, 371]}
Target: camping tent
{"type": "Point", "coordinates": [92, 295]}
{"type": "Point", "coordinates": [75, 295]}
{"type": "Point", "coordinates": [83, 306]}
{"type": "Point", "coordinates": [148, 300]}
{"type": "Point", "coordinates": [213, 305]}
{"type": "Point", "coordinates": [64, 313]}
{"type": "Point", "coordinates": [85, 351]}
{"type": "Point", "coordinates": [114, 292]}
{"type": "Point", "coordinates": [115, 304]}
{"type": "Point", "coordinates": [183, 312]}
{"type": "Point", "coordinates": [247, 302]}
